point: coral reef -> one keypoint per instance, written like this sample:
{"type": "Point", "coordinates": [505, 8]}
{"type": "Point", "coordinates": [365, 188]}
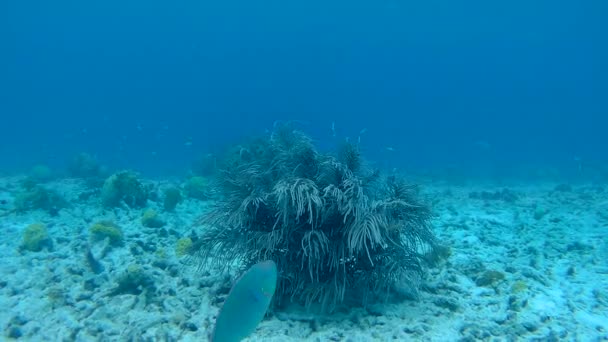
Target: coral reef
{"type": "Point", "coordinates": [124, 187]}
{"type": "Point", "coordinates": [182, 246]}
{"type": "Point", "coordinates": [36, 197]}
{"type": "Point", "coordinates": [172, 198]}
{"type": "Point", "coordinates": [338, 231]}
{"type": "Point", "coordinates": [35, 238]}
{"type": "Point", "coordinates": [107, 230]}
{"type": "Point", "coordinates": [151, 219]}
{"type": "Point", "coordinates": [134, 281]}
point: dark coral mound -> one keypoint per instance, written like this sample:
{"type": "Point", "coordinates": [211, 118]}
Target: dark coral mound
{"type": "Point", "coordinates": [338, 231]}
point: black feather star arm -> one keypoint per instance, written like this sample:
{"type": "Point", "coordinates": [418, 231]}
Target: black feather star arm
{"type": "Point", "coordinates": [340, 233]}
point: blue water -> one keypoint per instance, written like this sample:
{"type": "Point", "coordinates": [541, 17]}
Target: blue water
{"type": "Point", "coordinates": [440, 83]}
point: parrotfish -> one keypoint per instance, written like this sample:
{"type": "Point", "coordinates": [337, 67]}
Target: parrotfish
{"type": "Point", "coordinates": [246, 303]}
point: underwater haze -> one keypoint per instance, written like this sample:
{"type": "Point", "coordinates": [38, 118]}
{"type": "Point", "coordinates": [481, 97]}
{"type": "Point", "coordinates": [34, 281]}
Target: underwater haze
{"type": "Point", "coordinates": [439, 83]}
{"type": "Point", "coordinates": [282, 171]}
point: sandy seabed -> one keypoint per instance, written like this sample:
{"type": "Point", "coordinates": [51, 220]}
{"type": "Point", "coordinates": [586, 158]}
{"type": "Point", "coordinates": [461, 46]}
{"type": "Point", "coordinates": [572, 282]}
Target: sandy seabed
{"type": "Point", "coordinates": [526, 262]}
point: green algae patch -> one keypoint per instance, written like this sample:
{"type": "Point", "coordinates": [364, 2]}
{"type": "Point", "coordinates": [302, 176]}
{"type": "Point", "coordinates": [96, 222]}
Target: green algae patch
{"type": "Point", "coordinates": [151, 219]}
{"type": "Point", "coordinates": [519, 287]}
{"type": "Point", "coordinates": [35, 238]}
{"type": "Point", "coordinates": [172, 198]}
{"type": "Point", "coordinates": [182, 246]}
{"type": "Point", "coordinates": [123, 187]}
{"type": "Point", "coordinates": [106, 230]}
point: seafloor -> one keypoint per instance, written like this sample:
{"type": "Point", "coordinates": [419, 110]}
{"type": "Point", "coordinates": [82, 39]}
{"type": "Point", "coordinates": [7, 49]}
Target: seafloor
{"type": "Point", "coordinates": [522, 262]}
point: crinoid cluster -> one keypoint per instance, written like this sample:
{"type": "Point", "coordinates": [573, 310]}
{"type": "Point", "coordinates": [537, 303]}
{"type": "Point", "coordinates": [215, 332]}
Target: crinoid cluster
{"type": "Point", "coordinates": [339, 231]}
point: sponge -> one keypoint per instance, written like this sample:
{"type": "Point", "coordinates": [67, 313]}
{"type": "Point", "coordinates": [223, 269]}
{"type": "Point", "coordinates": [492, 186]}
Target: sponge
{"type": "Point", "coordinates": [246, 303]}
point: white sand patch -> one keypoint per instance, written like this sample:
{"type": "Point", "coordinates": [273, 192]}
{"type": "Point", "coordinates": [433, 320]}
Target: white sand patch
{"type": "Point", "coordinates": [513, 273]}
